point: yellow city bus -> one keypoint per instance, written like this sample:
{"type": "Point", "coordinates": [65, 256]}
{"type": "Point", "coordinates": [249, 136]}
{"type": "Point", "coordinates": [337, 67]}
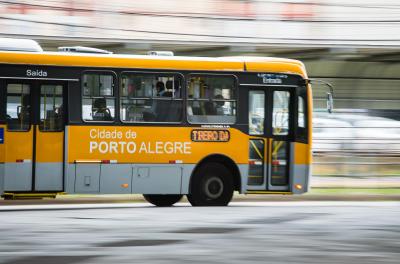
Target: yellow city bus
{"type": "Point", "coordinates": [161, 126]}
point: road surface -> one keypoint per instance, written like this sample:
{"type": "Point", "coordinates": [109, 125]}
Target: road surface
{"type": "Point", "coordinates": [245, 232]}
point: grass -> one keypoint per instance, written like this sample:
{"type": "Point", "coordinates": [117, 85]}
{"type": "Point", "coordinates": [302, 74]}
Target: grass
{"type": "Point", "coordinates": [313, 191]}
{"type": "Point", "coordinates": [354, 191]}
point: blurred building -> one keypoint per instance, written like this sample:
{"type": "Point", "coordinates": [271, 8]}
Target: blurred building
{"type": "Point", "coordinates": [353, 45]}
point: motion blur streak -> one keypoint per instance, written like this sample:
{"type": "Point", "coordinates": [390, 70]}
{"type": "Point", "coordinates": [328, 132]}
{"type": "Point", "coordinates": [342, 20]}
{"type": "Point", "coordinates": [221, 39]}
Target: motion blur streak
{"type": "Point", "coordinates": [330, 22]}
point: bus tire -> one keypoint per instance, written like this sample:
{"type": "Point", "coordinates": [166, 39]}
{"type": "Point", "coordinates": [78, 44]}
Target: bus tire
{"type": "Point", "coordinates": [211, 185]}
{"type": "Point", "coordinates": [162, 200]}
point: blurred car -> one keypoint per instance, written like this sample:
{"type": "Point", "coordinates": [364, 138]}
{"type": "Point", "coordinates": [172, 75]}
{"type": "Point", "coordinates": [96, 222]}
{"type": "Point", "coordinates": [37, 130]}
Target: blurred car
{"type": "Point", "coordinates": [330, 134]}
{"type": "Point", "coordinates": [355, 133]}
{"type": "Point", "coordinates": [377, 134]}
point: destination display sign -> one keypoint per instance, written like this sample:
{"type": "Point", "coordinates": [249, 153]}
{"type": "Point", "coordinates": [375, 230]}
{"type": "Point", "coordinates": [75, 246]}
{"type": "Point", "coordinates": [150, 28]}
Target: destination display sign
{"type": "Point", "coordinates": [201, 135]}
{"type": "Point", "coordinates": [270, 79]}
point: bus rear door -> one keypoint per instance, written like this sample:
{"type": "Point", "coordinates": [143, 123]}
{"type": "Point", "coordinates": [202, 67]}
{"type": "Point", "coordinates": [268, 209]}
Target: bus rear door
{"type": "Point", "coordinates": [34, 136]}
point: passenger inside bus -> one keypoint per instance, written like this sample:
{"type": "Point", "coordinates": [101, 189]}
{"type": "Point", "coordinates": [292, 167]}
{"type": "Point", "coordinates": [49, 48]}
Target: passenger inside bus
{"type": "Point", "coordinates": [160, 88]}
{"type": "Point", "coordinates": [23, 111]}
{"type": "Point", "coordinates": [100, 111]}
{"type": "Point", "coordinates": [23, 115]}
{"type": "Point", "coordinates": [214, 107]}
{"type": "Point", "coordinates": [168, 110]}
{"type": "Point", "coordinates": [59, 112]}
{"type": "Point", "coordinates": [170, 89]}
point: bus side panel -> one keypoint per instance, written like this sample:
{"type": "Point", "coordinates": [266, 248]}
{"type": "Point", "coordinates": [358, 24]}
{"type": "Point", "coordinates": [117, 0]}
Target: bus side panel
{"type": "Point", "coordinates": [116, 178]}
{"type": "Point", "coordinates": [94, 177]}
{"type": "Point", "coordinates": [69, 178]}
{"type": "Point", "coordinates": [87, 178]}
{"type": "Point", "coordinates": [157, 179]}
{"type": "Point", "coordinates": [18, 160]}
{"type": "Point", "coordinates": [187, 173]}
{"type": "Point", "coordinates": [244, 174]}
{"type": "Point", "coordinates": [300, 169]}
{"type": "Point", "coordinates": [149, 144]}
{"type": "Point", "coordinates": [149, 166]}
{"type": "Point", "coordinates": [49, 161]}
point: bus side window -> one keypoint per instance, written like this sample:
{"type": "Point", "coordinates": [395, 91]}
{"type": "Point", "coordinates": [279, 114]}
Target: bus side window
{"type": "Point", "coordinates": [301, 113]}
{"type": "Point", "coordinates": [18, 107]}
{"type": "Point", "coordinates": [302, 126]}
{"type": "Point", "coordinates": [151, 97]}
{"type": "Point", "coordinates": [212, 99]}
{"type": "Point", "coordinates": [98, 100]}
{"type": "Point", "coordinates": [51, 108]}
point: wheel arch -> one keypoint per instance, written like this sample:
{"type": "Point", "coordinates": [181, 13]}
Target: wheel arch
{"type": "Point", "coordinates": [227, 162]}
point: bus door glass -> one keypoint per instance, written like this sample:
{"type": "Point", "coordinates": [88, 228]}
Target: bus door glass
{"type": "Point", "coordinates": [18, 137]}
{"type": "Point", "coordinates": [258, 144]}
{"type": "Point", "coordinates": [49, 138]}
{"type": "Point", "coordinates": [280, 126]}
{"type": "Point", "coordinates": [270, 130]}
{"type": "Point", "coordinates": [34, 136]}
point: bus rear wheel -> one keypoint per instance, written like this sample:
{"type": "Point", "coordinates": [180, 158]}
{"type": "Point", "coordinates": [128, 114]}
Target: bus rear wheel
{"type": "Point", "coordinates": [211, 185]}
{"type": "Point", "coordinates": [162, 200]}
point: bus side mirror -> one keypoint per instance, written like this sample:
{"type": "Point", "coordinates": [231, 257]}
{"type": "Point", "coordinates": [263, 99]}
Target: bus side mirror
{"type": "Point", "coordinates": [329, 102]}
{"type": "Point", "coordinates": [329, 99]}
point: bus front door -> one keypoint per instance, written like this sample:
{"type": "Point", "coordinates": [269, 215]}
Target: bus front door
{"type": "Point", "coordinates": [34, 136]}
{"type": "Point", "coordinates": [269, 146]}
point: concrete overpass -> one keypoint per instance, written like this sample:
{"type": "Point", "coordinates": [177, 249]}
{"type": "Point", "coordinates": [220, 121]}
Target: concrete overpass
{"type": "Point", "coordinates": [353, 45]}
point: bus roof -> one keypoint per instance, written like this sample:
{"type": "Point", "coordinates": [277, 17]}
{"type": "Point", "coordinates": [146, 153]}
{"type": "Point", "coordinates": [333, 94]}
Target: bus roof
{"type": "Point", "coordinates": [250, 64]}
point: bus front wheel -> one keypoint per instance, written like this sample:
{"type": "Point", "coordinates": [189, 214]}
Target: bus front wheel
{"type": "Point", "coordinates": [211, 185]}
{"type": "Point", "coordinates": [162, 200]}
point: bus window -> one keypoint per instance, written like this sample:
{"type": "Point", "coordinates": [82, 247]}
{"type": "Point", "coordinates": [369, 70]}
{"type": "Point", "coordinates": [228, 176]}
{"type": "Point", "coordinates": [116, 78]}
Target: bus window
{"type": "Point", "coordinates": [18, 107]}
{"type": "Point", "coordinates": [279, 164]}
{"type": "Point", "coordinates": [51, 112]}
{"type": "Point", "coordinates": [280, 113]}
{"type": "Point", "coordinates": [212, 99]}
{"type": "Point", "coordinates": [256, 112]}
{"type": "Point", "coordinates": [98, 101]}
{"type": "Point", "coordinates": [151, 97]}
{"type": "Point", "coordinates": [301, 113]}
{"type": "Point", "coordinates": [301, 129]}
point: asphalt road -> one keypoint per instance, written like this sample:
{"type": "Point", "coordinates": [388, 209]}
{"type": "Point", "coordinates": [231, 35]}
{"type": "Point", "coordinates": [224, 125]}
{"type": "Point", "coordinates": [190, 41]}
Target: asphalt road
{"type": "Point", "coordinates": [247, 232]}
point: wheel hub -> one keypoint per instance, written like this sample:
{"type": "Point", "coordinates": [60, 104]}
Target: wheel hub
{"type": "Point", "coordinates": [214, 187]}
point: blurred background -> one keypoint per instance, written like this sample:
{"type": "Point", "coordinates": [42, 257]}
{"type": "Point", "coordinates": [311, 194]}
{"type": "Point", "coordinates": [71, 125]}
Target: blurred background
{"type": "Point", "coordinates": [354, 45]}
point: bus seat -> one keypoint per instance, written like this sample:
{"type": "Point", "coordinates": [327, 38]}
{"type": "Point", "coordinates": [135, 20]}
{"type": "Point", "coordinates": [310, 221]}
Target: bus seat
{"type": "Point", "coordinates": [149, 116]}
{"type": "Point", "coordinates": [210, 108]}
{"type": "Point", "coordinates": [169, 111]}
